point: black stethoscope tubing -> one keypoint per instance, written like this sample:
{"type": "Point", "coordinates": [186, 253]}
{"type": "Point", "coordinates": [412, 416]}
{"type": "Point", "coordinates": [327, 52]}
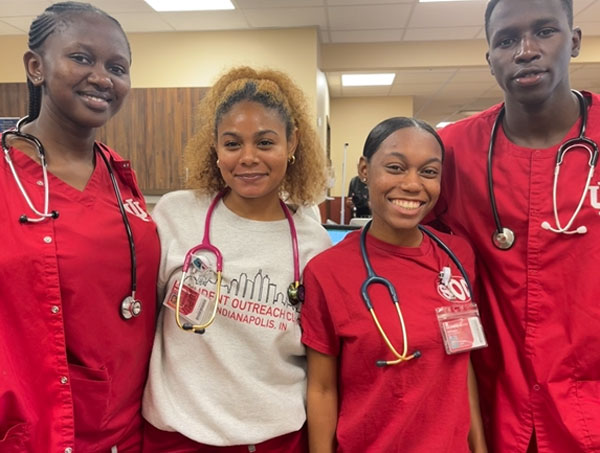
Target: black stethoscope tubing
{"type": "Point", "coordinates": [373, 278]}
{"type": "Point", "coordinates": [130, 306]}
{"type": "Point", "coordinates": [503, 238]}
{"type": "Point", "coordinates": [126, 224]}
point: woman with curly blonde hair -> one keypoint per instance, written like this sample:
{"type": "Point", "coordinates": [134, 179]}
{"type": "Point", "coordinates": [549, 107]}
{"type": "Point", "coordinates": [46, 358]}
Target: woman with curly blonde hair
{"type": "Point", "coordinates": [241, 385]}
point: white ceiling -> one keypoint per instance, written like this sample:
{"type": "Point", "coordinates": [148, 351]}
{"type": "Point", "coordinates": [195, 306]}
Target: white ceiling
{"type": "Point", "coordinates": [439, 94]}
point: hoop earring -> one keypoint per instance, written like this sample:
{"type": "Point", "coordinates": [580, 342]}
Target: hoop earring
{"type": "Point", "coordinates": [292, 159]}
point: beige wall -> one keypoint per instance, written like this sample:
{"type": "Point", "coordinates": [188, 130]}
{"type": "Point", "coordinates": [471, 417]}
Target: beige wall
{"type": "Point", "coordinates": [351, 121]}
{"type": "Point", "coordinates": [196, 59]}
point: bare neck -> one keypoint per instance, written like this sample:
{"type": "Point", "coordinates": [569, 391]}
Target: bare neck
{"type": "Point", "coordinates": [61, 146]}
{"type": "Point", "coordinates": [541, 125]}
{"type": "Point", "coordinates": [264, 209]}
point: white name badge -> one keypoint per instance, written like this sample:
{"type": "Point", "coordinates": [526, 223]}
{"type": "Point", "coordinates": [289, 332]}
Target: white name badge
{"type": "Point", "coordinates": [194, 305]}
{"type": "Point", "coordinates": [461, 327]}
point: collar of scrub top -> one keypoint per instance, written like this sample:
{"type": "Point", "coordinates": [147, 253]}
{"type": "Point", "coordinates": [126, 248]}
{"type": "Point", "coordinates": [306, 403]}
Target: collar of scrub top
{"type": "Point", "coordinates": [504, 238]}
{"type": "Point", "coordinates": [373, 278]}
{"type": "Point", "coordinates": [295, 290]}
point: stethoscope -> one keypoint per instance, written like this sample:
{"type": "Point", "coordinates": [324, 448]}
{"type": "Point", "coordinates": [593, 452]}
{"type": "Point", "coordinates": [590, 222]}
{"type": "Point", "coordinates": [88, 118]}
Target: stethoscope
{"type": "Point", "coordinates": [295, 290]}
{"type": "Point", "coordinates": [130, 306]}
{"type": "Point", "coordinates": [373, 278]}
{"type": "Point", "coordinates": [504, 238]}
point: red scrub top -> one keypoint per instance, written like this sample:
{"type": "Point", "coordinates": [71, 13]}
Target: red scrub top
{"type": "Point", "coordinates": [71, 369]}
{"type": "Point", "coordinates": [417, 406]}
{"type": "Point", "coordinates": [542, 297]}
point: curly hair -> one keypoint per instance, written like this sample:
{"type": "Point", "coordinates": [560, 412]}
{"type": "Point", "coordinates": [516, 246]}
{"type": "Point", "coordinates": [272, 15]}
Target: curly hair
{"type": "Point", "coordinates": [304, 180]}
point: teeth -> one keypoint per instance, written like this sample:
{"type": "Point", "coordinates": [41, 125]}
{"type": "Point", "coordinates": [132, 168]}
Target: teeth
{"type": "Point", "coordinates": [95, 98]}
{"type": "Point", "coordinates": [407, 204]}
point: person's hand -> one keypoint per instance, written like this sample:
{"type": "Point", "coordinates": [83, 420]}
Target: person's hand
{"type": "Point", "coordinates": [349, 202]}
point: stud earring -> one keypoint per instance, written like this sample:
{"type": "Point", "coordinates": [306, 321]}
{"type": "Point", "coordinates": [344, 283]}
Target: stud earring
{"type": "Point", "coordinates": [292, 160]}
{"type": "Point", "coordinates": [364, 180]}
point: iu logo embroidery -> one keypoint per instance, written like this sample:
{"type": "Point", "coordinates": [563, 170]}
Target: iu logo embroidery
{"type": "Point", "coordinates": [594, 196]}
{"type": "Point", "coordinates": [133, 207]}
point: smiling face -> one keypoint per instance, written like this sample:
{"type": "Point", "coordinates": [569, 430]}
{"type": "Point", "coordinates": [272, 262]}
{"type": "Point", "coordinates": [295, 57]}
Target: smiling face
{"type": "Point", "coordinates": [403, 177]}
{"type": "Point", "coordinates": [253, 151]}
{"type": "Point", "coordinates": [530, 47]}
{"type": "Point", "coordinates": [84, 70]}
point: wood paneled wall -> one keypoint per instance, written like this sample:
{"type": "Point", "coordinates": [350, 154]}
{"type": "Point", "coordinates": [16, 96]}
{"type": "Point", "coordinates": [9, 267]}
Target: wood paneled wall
{"type": "Point", "coordinates": [151, 130]}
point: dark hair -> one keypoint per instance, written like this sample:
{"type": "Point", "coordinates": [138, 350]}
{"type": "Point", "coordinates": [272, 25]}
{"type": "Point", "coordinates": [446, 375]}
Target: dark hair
{"type": "Point", "coordinates": [566, 4]}
{"type": "Point", "coordinates": [54, 19]}
{"type": "Point", "coordinates": [387, 127]}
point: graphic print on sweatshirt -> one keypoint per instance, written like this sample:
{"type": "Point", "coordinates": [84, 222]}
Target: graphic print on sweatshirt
{"type": "Point", "coordinates": [249, 299]}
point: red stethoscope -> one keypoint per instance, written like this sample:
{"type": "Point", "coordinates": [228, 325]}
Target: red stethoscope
{"type": "Point", "coordinates": [295, 290]}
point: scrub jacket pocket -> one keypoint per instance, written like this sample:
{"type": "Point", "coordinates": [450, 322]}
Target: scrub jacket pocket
{"type": "Point", "coordinates": [91, 391]}
{"type": "Point", "coordinates": [588, 403]}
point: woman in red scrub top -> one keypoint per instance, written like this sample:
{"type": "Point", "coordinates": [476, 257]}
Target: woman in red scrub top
{"type": "Point", "coordinates": [79, 258]}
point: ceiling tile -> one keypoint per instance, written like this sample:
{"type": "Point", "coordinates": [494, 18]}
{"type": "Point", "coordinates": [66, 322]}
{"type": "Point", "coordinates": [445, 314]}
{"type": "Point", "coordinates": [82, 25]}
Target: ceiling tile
{"type": "Point", "coordinates": [580, 6]}
{"type": "Point", "coordinates": [416, 76]}
{"type": "Point", "coordinates": [142, 22]}
{"type": "Point", "coordinates": [589, 29]}
{"type": "Point", "coordinates": [366, 36]}
{"type": "Point", "coordinates": [289, 17]}
{"type": "Point", "coordinates": [366, 2]}
{"type": "Point", "coordinates": [21, 24]}
{"type": "Point", "coordinates": [206, 20]}
{"type": "Point", "coordinates": [459, 90]}
{"type": "Point", "coordinates": [413, 89]}
{"type": "Point", "coordinates": [441, 33]}
{"type": "Point", "coordinates": [467, 75]}
{"type": "Point", "coordinates": [13, 8]}
{"type": "Point", "coordinates": [365, 91]}
{"type": "Point", "coordinates": [123, 6]}
{"type": "Point", "coordinates": [6, 28]}
{"type": "Point", "coordinates": [375, 17]}
{"type": "Point", "coordinates": [458, 14]}
{"type": "Point", "coordinates": [277, 3]}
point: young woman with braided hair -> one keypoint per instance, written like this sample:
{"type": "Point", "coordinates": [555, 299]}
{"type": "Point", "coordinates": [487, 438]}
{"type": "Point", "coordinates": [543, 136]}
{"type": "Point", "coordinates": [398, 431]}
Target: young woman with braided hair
{"type": "Point", "coordinates": [80, 254]}
{"type": "Point", "coordinates": [240, 386]}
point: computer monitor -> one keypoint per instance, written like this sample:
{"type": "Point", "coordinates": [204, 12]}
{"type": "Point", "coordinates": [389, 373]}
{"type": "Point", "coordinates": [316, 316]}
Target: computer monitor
{"type": "Point", "coordinates": [338, 232]}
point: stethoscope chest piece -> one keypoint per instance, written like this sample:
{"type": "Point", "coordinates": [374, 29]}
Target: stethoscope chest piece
{"type": "Point", "coordinates": [296, 293]}
{"type": "Point", "coordinates": [503, 239]}
{"type": "Point", "coordinates": [130, 308]}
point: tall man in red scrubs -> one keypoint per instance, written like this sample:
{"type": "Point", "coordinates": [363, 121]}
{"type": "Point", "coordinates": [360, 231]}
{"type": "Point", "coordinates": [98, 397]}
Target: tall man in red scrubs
{"type": "Point", "coordinates": [539, 259]}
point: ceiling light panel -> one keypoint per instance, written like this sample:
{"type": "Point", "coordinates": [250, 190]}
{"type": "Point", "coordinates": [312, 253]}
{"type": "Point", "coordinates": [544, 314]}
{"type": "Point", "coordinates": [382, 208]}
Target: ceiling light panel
{"type": "Point", "coordinates": [362, 80]}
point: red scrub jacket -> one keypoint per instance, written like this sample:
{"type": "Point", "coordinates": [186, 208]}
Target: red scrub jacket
{"type": "Point", "coordinates": [71, 369]}
{"type": "Point", "coordinates": [540, 299]}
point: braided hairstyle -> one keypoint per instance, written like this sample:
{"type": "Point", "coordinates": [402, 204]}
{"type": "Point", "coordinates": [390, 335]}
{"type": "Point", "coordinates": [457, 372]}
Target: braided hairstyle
{"type": "Point", "coordinates": [54, 19]}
